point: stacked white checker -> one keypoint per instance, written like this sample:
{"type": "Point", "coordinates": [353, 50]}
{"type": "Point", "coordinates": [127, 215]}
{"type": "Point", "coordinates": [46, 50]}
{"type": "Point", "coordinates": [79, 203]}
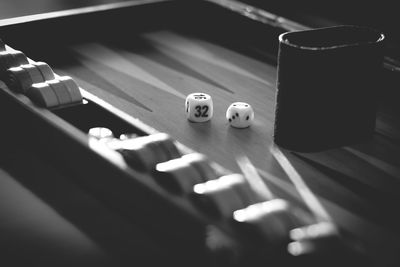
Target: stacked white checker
{"type": "Point", "coordinates": [36, 80]}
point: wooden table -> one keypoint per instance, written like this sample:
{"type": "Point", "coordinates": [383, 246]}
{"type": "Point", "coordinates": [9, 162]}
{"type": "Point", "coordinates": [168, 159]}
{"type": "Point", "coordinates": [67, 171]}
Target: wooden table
{"type": "Point", "coordinates": [140, 62]}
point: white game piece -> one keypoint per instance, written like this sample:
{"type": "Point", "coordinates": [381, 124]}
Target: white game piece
{"type": "Point", "coordinates": [202, 165]}
{"type": "Point", "coordinates": [218, 197]}
{"type": "Point", "coordinates": [34, 73]}
{"type": "Point", "coordinates": [101, 133]}
{"type": "Point", "coordinates": [72, 87]}
{"type": "Point", "coordinates": [61, 91]}
{"type": "Point", "coordinates": [10, 59]}
{"type": "Point", "coordinates": [177, 176]}
{"type": "Point", "coordinates": [45, 70]}
{"type": "Point", "coordinates": [18, 79]}
{"type": "Point", "coordinates": [43, 95]}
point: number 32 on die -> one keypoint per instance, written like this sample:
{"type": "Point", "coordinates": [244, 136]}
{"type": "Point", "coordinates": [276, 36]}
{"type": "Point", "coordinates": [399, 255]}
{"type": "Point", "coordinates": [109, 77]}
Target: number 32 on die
{"type": "Point", "coordinates": [201, 111]}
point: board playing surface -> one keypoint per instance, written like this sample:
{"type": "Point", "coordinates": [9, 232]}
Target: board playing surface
{"type": "Point", "coordinates": [150, 75]}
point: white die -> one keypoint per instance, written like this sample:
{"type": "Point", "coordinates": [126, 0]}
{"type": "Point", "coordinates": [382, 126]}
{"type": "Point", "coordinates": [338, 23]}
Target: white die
{"type": "Point", "coordinates": [198, 107]}
{"type": "Point", "coordinates": [240, 115]}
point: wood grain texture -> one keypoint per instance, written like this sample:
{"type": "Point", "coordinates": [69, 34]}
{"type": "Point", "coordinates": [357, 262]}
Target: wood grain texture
{"type": "Point", "coordinates": [149, 77]}
{"type": "Point", "coordinates": [358, 184]}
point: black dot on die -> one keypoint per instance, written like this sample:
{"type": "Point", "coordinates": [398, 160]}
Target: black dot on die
{"type": "Point", "coordinates": [233, 117]}
{"type": "Point", "coordinates": [247, 118]}
{"type": "Point", "coordinates": [237, 114]}
{"type": "Point", "coordinates": [230, 120]}
{"type": "Point", "coordinates": [246, 105]}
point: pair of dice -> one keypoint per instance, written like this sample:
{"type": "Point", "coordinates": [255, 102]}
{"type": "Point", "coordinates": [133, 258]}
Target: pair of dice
{"type": "Point", "coordinates": [199, 108]}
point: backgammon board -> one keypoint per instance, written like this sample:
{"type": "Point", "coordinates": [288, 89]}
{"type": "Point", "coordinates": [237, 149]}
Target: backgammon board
{"type": "Point", "coordinates": [135, 64]}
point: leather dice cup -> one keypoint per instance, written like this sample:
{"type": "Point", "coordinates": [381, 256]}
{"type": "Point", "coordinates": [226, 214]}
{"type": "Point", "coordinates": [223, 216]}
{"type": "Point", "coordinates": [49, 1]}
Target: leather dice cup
{"type": "Point", "coordinates": [327, 87]}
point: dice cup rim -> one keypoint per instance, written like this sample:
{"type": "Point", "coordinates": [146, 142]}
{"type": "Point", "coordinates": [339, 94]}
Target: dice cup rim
{"type": "Point", "coordinates": [365, 36]}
